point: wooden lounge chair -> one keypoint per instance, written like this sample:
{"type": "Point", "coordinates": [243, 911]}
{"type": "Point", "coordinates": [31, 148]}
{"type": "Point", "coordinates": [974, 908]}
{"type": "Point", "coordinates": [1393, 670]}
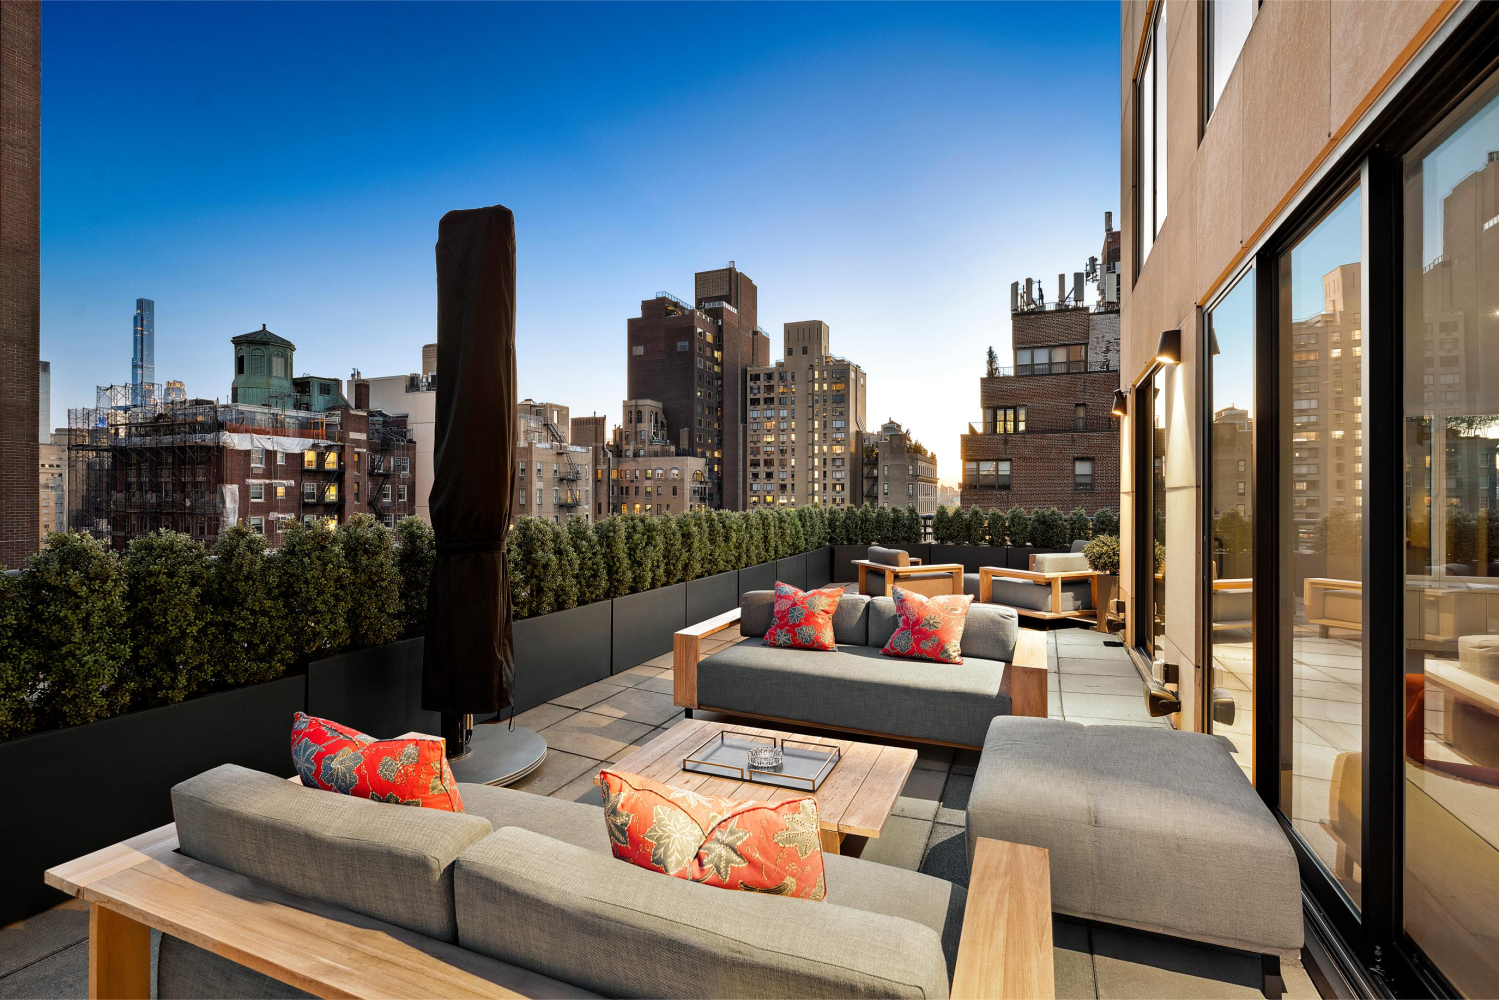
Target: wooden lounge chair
{"type": "Point", "coordinates": [885, 568]}
{"type": "Point", "coordinates": [1058, 585]}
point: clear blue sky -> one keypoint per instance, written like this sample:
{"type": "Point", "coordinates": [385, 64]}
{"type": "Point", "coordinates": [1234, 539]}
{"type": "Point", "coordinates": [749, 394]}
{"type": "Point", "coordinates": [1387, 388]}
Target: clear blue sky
{"type": "Point", "coordinates": [887, 168]}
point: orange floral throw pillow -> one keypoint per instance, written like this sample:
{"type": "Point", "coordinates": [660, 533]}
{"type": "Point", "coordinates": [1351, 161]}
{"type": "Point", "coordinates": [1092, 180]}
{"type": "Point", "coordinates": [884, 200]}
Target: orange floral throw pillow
{"type": "Point", "coordinates": [754, 846]}
{"type": "Point", "coordinates": [802, 619]}
{"type": "Point", "coordinates": [408, 772]}
{"type": "Point", "coordinates": [931, 628]}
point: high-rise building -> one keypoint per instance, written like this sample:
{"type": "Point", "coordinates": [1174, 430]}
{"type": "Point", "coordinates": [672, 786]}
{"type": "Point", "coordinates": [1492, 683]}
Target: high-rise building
{"type": "Point", "coordinates": [805, 423]}
{"type": "Point", "coordinates": [20, 274]}
{"type": "Point", "coordinates": [175, 391]}
{"type": "Point", "coordinates": [691, 359]}
{"type": "Point", "coordinates": [52, 485]}
{"type": "Point", "coordinates": [650, 475]}
{"type": "Point", "coordinates": [143, 353]}
{"type": "Point", "coordinates": [899, 470]}
{"type": "Point", "coordinates": [44, 402]}
{"type": "Point", "coordinates": [1048, 437]}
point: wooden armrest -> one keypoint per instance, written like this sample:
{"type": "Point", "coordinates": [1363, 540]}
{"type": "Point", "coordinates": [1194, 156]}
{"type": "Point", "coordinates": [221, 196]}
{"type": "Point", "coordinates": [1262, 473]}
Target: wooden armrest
{"type": "Point", "coordinates": [915, 561]}
{"type": "Point", "coordinates": [1006, 950]}
{"type": "Point", "coordinates": [686, 650]}
{"type": "Point", "coordinates": [1011, 574]}
{"type": "Point", "coordinates": [1247, 583]}
{"type": "Point", "coordinates": [1024, 678]}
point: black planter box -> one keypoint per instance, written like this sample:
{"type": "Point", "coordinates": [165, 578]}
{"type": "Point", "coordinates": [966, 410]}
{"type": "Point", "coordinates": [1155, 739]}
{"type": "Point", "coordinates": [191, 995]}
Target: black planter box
{"type": "Point", "coordinates": [820, 567]}
{"type": "Point", "coordinates": [105, 782]}
{"type": "Point", "coordinates": [561, 652]}
{"type": "Point", "coordinates": [844, 571]}
{"type": "Point", "coordinates": [973, 557]}
{"type": "Point", "coordinates": [376, 690]}
{"type": "Point", "coordinates": [917, 550]}
{"type": "Point", "coordinates": [644, 624]}
{"type": "Point", "coordinates": [793, 570]}
{"type": "Point", "coordinates": [712, 595]}
{"type": "Point", "coordinates": [761, 577]}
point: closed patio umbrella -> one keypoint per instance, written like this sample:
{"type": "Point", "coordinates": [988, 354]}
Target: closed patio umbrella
{"type": "Point", "coordinates": [468, 657]}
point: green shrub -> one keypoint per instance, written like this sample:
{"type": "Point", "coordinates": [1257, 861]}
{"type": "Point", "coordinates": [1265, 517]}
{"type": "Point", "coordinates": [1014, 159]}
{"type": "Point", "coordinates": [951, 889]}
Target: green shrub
{"type": "Point", "coordinates": [1160, 557]}
{"type": "Point", "coordinates": [998, 527]}
{"type": "Point", "coordinates": [653, 553]}
{"type": "Point", "coordinates": [312, 580]}
{"type": "Point", "coordinates": [165, 573]}
{"type": "Point", "coordinates": [884, 525]}
{"type": "Point", "coordinates": [912, 531]}
{"type": "Point", "coordinates": [17, 675]}
{"type": "Point", "coordinates": [564, 583]}
{"type": "Point", "coordinates": [247, 623]}
{"type": "Point", "coordinates": [1079, 526]}
{"type": "Point", "coordinates": [369, 552]}
{"type": "Point", "coordinates": [835, 526]}
{"type": "Point", "coordinates": [1103, 553]}
{"type": "Point", "coordinates": [416, 552]}
{"type": "Point", "coordinates": [976, 526]}
{"type": "Point", "coordinates": [613, 544]}
{"type": "Point", "coordinates": [1105, 522]}
{"type": "Point", "coordinates": [1048, 529]}
{"type": "Point", "coordinates": [533, 567]}
{"type": "Point", "coordinates": [942, 525]}
{"type": "Point", "coordinates": [592, 577]}
{"type": "Point", "coordinates": [1018, 527]}
{"type": "Point", "coordinates": [75, 594]}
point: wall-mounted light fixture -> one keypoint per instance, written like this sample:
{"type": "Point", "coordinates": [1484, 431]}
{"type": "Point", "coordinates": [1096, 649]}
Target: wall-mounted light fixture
{"type": "Point", "coordinates": [1169, 350]}
{"type": "Point", "coordinates": [1121, 403]}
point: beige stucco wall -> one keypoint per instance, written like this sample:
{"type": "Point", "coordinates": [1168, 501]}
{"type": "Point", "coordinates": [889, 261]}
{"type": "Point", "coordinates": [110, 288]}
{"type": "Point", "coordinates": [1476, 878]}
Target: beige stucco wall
{"type": "Point", "coordinates": [1307, 68]}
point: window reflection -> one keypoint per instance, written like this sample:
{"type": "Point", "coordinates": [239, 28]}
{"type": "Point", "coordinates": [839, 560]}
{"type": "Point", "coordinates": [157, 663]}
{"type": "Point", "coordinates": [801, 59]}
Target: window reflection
{"type": "Point", "coordinates": [1160, 396]}
{"type": "Point", "coordinates": [1452, 546]}
{"type": "Point", "coordinates": [1231, 508]}
{"type": "Point", "coordinates": [1321, 539]}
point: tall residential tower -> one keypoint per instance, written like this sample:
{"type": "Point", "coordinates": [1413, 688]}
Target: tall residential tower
{"type": "Point", "coordinates": [143, 352]}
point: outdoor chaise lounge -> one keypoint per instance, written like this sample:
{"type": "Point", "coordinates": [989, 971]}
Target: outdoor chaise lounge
{"type": "Point", "coordinates": [267, 888]}
{"type": "Point", "coordinates": [1147, 828]}
{"type": "Point", "coordinates": [854, 688]}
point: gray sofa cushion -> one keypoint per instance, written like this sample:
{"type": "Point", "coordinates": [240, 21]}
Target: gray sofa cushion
{"type": "Point", "coordinates": [1061, 562]}
{"type": "Point", "coordinates": [1236, 605]}
{"type": "Point", "coordinates": [390, 862]}
{"type": "Point", "coordinates": [889, 557]}
{"type": "Point", "coordinates": [850, 620]}
{"type": "Point", "coordinates": [606, 925]}
{"type": "Point", "coordinates": [1078, 544]}
{"type": "Point", "coordinates": [579, 823]}
{"type": "Point", "coordinates": [876, 581]}
{"type": "Point", "coordinates": [990, 632]}
{"type": "Point", "coordinates": [855, 687]}
{"type": "Point", "coordinates": [1343, 606]}
{"type": "Point", "coordinates": [1147, 827]}
{"type": "Point", "coordinates": [883, 621]}
{"type": "Point", "coordinates": [1076, 595]}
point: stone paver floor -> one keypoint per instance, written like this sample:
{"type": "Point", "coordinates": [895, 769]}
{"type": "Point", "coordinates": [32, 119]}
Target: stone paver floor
{"type": "Point", "coordinates": [1090, 680]}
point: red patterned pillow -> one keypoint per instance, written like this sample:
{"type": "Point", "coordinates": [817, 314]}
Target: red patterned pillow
{"type": "Point", "coordinates": [756, 846]}
{"type": "Point", "coordinates": [411, 771]}
{"type": "Point", "coordinates": [803, 619]}
{"type": "Point", "coordinates": [931, 628]}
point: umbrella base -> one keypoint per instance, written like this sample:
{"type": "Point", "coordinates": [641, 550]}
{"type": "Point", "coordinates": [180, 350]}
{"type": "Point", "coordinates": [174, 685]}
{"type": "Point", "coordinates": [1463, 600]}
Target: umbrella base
{"type": "Point", "coordinates": [499, 755]}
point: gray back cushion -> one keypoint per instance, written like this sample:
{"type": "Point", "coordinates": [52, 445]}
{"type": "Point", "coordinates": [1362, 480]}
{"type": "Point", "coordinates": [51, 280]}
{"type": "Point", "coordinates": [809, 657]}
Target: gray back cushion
{"type": "Point", "coordinates": [990, 632]}
{"type": "Point", "coordinates": [391, 862]}
{"type": "Point", "coordinates": [850, 621]}
{"type": "Point", "coordinates": [889, 557]}
{"type": "Point", "coordinates": [1061, 562]}
{"type": "Point", "coordinates": [588, 919]}
{"type": "Point", "coordinates": [1078, 544]}
{"type": "Point", "coordinates": [883, 621]}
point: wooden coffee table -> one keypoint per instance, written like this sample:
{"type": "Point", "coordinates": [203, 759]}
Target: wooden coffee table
{"type": "Point", "coordinates": [855, 800]}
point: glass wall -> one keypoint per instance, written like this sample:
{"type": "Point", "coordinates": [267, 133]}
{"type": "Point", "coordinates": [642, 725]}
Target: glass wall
{"type": "Point", "coordinates": [1160, 397]}
{"type": "Point", "coordinates": [1451, 390]}
{"type": "Point", "coordinates": [1320, 613]}
{"type": "Point", "coordinates": [1230, 502]}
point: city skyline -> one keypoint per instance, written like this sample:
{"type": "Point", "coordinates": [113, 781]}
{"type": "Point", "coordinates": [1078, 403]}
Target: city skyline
{"type": "Point", "coordinates": [878, 171]}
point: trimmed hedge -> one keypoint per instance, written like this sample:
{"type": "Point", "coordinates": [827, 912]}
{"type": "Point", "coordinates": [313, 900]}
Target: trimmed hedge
{"type": "Point", "coordinates": [1048, 528]}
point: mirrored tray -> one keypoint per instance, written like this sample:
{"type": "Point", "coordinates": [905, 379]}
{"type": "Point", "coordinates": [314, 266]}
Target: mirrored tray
{"type": "Point", "coordinates": [804, 764]}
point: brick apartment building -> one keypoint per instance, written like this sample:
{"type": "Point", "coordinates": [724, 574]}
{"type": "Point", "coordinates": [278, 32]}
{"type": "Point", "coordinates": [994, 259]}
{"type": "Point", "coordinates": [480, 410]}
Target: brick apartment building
{"type": "Point", "coordinates": [199, 466]}
{"type": "Point", "coordinates": [899, 470]}
{"type": "Point", "coordinates": [20, 275]}
{"type": "Point", "coordinates": [52, 486]}
{"type": "Point", "coordinates": [820, 460]}
{"type": "Point", "coordinates": [650, 475]}
{"type": "Point", "coordinates": [1048, 437]}
{"type": "Point", "coordinates": [692, 359]}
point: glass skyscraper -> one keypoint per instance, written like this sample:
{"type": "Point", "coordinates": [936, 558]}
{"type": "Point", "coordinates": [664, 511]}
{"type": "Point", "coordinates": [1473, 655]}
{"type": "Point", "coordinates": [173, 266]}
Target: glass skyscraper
{"type": "Point", "coordinates": [143, 356]}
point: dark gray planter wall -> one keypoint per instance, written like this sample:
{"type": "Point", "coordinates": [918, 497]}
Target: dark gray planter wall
{"type": "Point", "coordinates": [712, 595]}
{"type": "Point", "coordinates": [761, 577]}
{"type": "Point", "coordinates": [644, 624]}
{"type": "Point", "coordinates": [973, 557]}
{"type": "Point", "coordinates": [917, 550]}
{"type": "Point", "coordinates": [820, 566]}
{"type": "Point", "coordinates": [377, 690]}
{"type": "Point", "coordinates": [110, 780]}
{"type": "Point", "coordinates": [793, 570]}
{"type": "Point", "coordinates": [561, 652]}
{"type": "Point", "coordinates": [844, 571]}
{"type": "Point", "coordinates": [1020, 556]}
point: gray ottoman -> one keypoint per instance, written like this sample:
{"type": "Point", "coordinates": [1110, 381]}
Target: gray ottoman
{"type": "Point", "coordinates": [1148, 828]}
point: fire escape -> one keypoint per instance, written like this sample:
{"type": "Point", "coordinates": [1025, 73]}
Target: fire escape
{"type": "Point", "coordinates": [871, 474]}
{"type": "Point", "coordinates": [570, 494]}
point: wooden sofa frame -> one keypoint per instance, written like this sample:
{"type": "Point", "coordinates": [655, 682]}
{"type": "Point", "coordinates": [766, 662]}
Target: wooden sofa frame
{"type": "Point", "coordinates": [1024, 678]}
{"type": "Point", "coordinates": [900, 575]}
{"type": "Point", "coordinates": [1315, 589]}
{"type": "Point", "coordinates": [144, 883]}
{"type": "Point", "coordinates": [1098, 615]}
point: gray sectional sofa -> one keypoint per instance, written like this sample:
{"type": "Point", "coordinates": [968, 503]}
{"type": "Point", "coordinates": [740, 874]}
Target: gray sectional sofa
{"type": "Point", "coordinates": [856, 689]}
{"type": "Point", "coordinates": [523, 891]}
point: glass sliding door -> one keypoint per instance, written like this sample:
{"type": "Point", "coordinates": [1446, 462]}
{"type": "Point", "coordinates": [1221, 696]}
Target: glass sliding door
{"type": "Point", "coordinates": [1320, 594]}
{"type": "Point", "coordinates": [1230, 505]}
{"type": "Point", "coordinates": [1451, 425]}
{"type": "Point", "coordinates": [1159, 392]}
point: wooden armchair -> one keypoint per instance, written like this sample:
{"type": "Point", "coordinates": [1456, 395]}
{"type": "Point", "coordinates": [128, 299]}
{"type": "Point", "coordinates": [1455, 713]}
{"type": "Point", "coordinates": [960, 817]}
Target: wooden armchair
{"type": "Point", "coordinates": [933, 581]}
{"type": "Point", "coordinates": [1043, 608]}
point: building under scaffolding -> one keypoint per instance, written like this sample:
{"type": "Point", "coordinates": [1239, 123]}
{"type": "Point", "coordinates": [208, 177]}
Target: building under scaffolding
{"type": "Point", "coordinates": [198, 466]}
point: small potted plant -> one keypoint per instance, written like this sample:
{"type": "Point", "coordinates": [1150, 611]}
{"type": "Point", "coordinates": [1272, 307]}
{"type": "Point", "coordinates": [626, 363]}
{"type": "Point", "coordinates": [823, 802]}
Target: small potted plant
{"type": "Point", "coordinates": [1102, 554]}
